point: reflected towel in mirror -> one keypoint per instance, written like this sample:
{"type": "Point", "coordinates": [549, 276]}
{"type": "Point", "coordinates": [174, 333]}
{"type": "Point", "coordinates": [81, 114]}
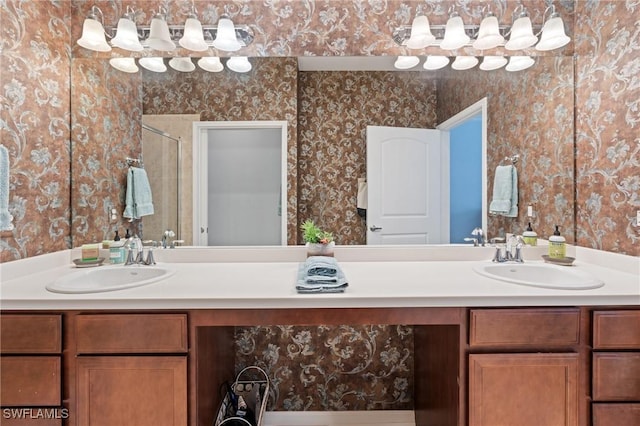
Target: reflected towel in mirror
{"type": "Point", "coordinates": [5, 217]}
{"type": "Point", "coordinates": [505, 192]}
{"type": "Point", "coordinates": [139, 201]}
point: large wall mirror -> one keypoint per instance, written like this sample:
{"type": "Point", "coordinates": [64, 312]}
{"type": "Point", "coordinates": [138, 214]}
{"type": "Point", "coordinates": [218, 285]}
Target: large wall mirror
{"type": "Point", "coordinates": [529, 114]}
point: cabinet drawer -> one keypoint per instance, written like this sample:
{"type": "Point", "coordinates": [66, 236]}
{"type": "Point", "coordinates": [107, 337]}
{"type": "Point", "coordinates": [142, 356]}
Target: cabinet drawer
{"type": "Point", "coordinates": [30, 381]}
{"type": "Point", "coordinates": [30, 334]}
{"type": "Point", "coordinates": [616, 414]}
{"type": "Point", "coordinates": [616, 376]}
{"type": "Point", "coordinates": [616, 329]}
{"type": "Point", "coordinates": [131, 333]}
{"type": "Point", "coordinates": [524, 328]}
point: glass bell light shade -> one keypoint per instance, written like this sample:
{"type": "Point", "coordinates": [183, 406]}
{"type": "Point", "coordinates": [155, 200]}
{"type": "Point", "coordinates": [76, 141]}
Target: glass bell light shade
{"type": "Point", "coordinates": [462, 63]}
{"type": "Point", "coordinates": [182, 64]}
{"type": "Point", "coordinates": [127, 36]}
{"type": "Point", "coordinates": [521, 35]}
{"type": "Point", "coordinates": [239, 64]}
{"type": "Point", "coordinates": [93, 37]}
{"type": "Point", "coordinates": [159, 37]}
{"type": "Point", "coordinates": [210, 63]}
{"type": "Point", "coordinates": [155, 64]}
{"type": "Point", "coordinates": [435, 62]}
{"type": "Point", "coordinates": [454, 34]}
{"type": "Point", "coordinates": [124, 64]}
{"type": "Point", "coordinates": [490, 63]}
{"type": "Point", "coordinates": [406, 62]}
{"type": "Point", "coordinates": [193, 38]}
{"type": "Point", "coordinates": [421, 36]}
{"type": "Point", "coordinates": [226, 36]}
{"type": "Point", "coordinates": [489, 34]}
{"type": "Point", "coordinates": [519, 63]}
{"type": "Point", "coordinates": [553, 35]}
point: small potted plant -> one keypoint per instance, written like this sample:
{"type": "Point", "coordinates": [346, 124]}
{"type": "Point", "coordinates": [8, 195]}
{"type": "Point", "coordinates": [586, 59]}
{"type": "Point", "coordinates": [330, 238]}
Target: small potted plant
{"type": "Point", "coordinates": [318, 242]}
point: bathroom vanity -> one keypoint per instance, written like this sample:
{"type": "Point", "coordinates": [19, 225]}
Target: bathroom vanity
{"type": "Point", "coordinates": [486, 352]}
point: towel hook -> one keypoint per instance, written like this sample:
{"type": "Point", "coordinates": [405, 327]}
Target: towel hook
{"type": "Point", "coordinates": [513, 159]}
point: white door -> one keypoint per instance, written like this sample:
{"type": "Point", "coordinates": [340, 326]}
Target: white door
{"type": "Point", "coordinates": [404, 190]}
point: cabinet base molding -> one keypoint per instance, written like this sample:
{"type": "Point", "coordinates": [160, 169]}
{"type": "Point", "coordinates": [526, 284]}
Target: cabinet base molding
{"type": "Point", "coordinates": [339, 418]}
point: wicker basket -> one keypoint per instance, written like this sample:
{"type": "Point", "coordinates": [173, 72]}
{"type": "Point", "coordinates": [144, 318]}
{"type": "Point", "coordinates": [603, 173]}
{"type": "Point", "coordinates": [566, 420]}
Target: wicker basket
{"type": "Point", "coordinates": [252, 384]}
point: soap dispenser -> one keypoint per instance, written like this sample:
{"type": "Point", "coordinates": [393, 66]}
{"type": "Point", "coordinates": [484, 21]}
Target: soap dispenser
{"type": "Point", "coordinates": [557, 245]}
{"type": "Point", "coordinates": [529, 236]}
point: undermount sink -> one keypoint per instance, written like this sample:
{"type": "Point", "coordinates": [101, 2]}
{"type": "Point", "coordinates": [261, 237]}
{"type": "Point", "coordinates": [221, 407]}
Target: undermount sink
{"type": "Point", "coordinates": [109, 278]}
{"type": "Point", "coordinates": [540, 275]}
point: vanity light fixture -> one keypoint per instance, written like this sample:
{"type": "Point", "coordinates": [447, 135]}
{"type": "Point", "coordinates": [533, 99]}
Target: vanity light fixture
{"type": "Point", "coordinates": [489, 33]}
{"type": "Point", "coordinates": [182, 64]}
{"type": "Point", "coordinates": [93, 34]}
{"type": "Point", "coordinates": [155, 64]}
{"type": "Point", "coordinates": [553, 35]}
{"type": "Point", "coordinates": [127, 34]}
{"type": "Point", "coordinates": [210, 63]}
{"type": "Point", "coordinates": [490, 63]}
{"type": "Point", "coordinates": [226, 38]}
{"type": "Point", "coordinates": [435, 62]}
{"type": "Point", "coordinates": [127, 65]}
{"type": "Point", "coordinates": [519, 63]}
{"type": "Point", "coordinates": [159, 36]}
{"type": "Point", "coordinates": [193, 38]}
{"type": "Point", "coordinates": [239, 64]}
{"type": "Point", "coordinates": [421, 36]}
{"type": "Point", "coordinates": [455, 36]}
{"type": "Point", "coordinates": [406, 62]}
{"type": "Point", "coordinates": [462, 63]}
{"type": "Point", "coordinates": [521, 31]}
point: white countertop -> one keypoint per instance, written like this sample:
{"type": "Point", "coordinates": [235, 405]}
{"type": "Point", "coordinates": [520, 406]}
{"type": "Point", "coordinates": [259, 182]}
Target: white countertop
{"type": "Point", "coordinates": [265, 278]}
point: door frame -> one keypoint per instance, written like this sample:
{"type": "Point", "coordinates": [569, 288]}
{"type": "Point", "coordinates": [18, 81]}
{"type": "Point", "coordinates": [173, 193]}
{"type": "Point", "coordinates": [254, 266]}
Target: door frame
{"type": "Point", "coordinates": [200, 139]}
{"type": "Point", "coordinates": [479, 107]}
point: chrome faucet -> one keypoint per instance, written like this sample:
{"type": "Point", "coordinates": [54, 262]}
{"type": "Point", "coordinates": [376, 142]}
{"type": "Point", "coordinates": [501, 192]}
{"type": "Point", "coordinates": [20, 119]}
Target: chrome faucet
{"type": "Point", "coordinates": [134, 247]}
{"type": "Point", "coordinates": [481, 236]}
{"type": "Point", "coordinates": [166, 236]}
{"type": "Point", "coordinates": [512, 252]}
{"type": "Point", "coordinates": [475, 241]}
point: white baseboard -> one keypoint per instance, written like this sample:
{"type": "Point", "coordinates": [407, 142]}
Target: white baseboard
{"type": "Point", "coordinates": [339, 418]}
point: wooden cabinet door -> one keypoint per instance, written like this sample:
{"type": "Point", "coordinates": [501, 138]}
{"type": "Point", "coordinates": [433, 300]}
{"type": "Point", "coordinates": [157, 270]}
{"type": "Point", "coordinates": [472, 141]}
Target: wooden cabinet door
{"type": "Point", "coordinates": [523, 389]}
{"type": "Point", "coordinates": [126, 390]}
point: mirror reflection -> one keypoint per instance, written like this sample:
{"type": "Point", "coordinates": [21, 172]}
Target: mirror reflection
{"type": "Point", "coordinates": [529, 113]}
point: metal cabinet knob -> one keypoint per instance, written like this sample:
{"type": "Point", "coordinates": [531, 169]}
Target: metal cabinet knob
{"type": "Point", "coordinates": [374, 228]}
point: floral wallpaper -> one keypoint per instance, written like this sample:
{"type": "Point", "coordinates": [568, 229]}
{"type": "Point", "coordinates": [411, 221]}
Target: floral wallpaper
{"type": "Point", "coordinates": [34, 125]}
{"type": "Point", "coordinates": [334, 110]}
{"type": "Point", "coordinates": [106, 130]}
{"type": "Point", "coordinates": [332, 368]}
{"type": "Point", "coordinates": [38, 41]}
{"type": "Point", "coordinates": [531, 115]}
{"type": "Point", "coordinates": [608, 125]}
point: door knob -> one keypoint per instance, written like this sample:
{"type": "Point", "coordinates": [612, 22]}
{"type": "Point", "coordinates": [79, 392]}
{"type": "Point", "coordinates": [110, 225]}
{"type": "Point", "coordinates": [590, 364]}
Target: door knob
{"type": "Point", "coordinates": [374, 228]}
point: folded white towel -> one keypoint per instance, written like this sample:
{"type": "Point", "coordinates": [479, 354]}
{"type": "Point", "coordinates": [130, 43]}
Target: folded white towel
{"type": "Point", "coordinates": [505, 192]}
{"type": "Point", "coordinates": [5, 217]}
{"type": "Point", "coordinates": [139, 201]}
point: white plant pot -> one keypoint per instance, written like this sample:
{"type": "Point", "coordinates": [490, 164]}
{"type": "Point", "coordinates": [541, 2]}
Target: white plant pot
{"type": "Point", "coordinates": [318, 249]}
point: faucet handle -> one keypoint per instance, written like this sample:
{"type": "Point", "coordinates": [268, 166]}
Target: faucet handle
{"type": "Point", "coordinates": [475, 241]}
{"type": "Point", "coordinates": [496, 240]}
